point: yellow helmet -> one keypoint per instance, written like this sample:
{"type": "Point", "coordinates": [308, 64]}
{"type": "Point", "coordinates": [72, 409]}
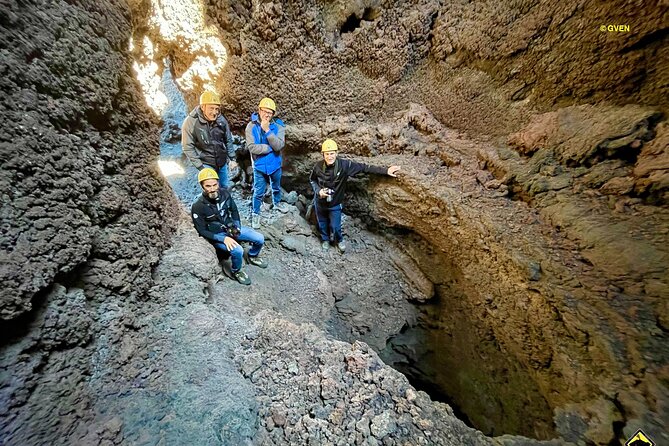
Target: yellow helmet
{"type": "Point", "coordinates": [209, 97]}
{"type": "Point", "coordinates": [329, 146]}
{"type": "Point", "coordinates": [267, 103]}
{"type": "Point", "coordinates": [207, 174]}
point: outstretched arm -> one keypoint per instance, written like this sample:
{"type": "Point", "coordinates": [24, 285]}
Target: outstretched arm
{"type": "Point", "coordinates": [353, 168]}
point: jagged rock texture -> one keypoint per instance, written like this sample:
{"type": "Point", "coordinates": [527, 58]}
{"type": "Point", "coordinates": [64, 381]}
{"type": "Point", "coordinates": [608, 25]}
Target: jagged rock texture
{"type": "Point", "coordinates": [85, 214]}
{"type": "Point", "coordinates": [477, 66]}
{"type": "Point", "coordinates": [80, 188]}
{"type": "Point", "coordinates": [546, 240]}
{"type": "Point", "coordinates": [528, 251]}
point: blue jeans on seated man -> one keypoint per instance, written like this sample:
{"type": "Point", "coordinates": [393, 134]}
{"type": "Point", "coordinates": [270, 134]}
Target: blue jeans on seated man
{"type": "Point", "coordinates": [223, 175]}
{"type": "Point", "coordinates": [260, 181]}
{"type": "Point", "coordinates": [247, 235]}
{"type": "Point", "coordinates": [329, 219]}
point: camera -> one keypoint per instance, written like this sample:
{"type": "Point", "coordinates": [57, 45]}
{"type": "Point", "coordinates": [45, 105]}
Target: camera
{"type": "Point", "coordinates": [234, 231]}
{"type": "Point", "coordinates": [330, 192]}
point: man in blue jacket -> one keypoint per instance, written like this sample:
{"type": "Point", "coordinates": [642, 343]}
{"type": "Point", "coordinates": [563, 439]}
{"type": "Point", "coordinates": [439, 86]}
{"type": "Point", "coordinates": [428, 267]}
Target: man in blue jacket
{"type": "Point", "coordinates": [206, 138]}
{"type": "Point", "coordinates": [265, 139]}
{"type": "Point", "coordinates": [216, 218]}
{"type": "Point", "coordinates": [328, 180]}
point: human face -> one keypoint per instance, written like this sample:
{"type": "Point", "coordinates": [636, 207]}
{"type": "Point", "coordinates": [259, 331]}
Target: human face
{"type": "Point", "coordinates": [330, 157]}
{"type": "Point", "coordinates": [210, 188]}
{"type": "Point", "coordinates": [211, 111]}
{"type": "Point", "coordinates": [265, 114]}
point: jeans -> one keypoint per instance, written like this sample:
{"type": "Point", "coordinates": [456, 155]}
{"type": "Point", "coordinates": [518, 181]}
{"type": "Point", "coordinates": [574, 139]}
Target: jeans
{"type": "Point", "coordinates": [247, 235]}
{"type": "Point", "coordinates": [329, 219]}
{"type": "Point", "coordinates": [223, 175]}
{"type": "Point", "coordinates": [260, 184]}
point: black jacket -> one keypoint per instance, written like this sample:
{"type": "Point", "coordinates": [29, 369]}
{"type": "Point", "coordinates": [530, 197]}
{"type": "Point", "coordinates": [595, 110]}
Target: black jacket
{"type": "Point", "coordinates": [335, 177]}
{"type": "Point", "coordinates": [206, 142]}
{"type": "Point", "coordinates": [215, 217]}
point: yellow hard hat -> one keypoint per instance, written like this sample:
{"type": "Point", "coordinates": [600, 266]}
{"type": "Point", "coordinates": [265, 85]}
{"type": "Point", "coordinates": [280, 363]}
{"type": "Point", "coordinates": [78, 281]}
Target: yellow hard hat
{"type": "Point", "coordinates": [329, 146]}
{"type": "Point", "coordinates": [267, 103]}
{"type": "Point", "coordinates": [207, 174]}
{"type": "Point", "coordinates": [209, 97]}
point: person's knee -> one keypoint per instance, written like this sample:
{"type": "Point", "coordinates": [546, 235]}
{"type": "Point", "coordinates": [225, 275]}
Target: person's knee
{"type": "Point", "coordinates": [258, 185]}
{"type": "Point", "coordinates": [259, 239]}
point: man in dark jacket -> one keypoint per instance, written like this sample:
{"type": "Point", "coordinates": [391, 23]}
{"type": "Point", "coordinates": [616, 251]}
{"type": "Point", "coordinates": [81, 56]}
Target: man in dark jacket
{"type": "Point", "coordinates": [216, 218]}
{"type": "Point", "coordinates": [328, 180]}
{"type": "Point", "coordinates": [206, 138]}
{"type": "Point", "coordinates": [265, 139]}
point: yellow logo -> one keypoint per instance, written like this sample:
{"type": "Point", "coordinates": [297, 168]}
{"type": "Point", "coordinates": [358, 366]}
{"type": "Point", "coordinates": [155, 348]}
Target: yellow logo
{"type": "Point", "coordinates": [639, 439]}
{"type": "Point", "coordinates": [615, 28]}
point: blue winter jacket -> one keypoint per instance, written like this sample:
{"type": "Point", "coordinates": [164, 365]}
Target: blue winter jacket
{"type": "Point", "coordinates": [265, 147]}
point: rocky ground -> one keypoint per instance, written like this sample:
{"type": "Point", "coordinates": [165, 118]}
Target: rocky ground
{"type": "Point", "coordinates": [532, 210]}
{"type": "Point", "coordinates": [208, 361]}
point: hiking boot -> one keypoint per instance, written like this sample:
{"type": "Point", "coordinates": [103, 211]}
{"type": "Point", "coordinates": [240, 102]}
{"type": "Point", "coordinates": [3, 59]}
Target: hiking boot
{"type": "Point", "coordinates": [325, 245]}
{"type": "Point", "coordinates": [241, 277]}
{"type": "Point", "coordinates": [255, 221]}
{"type": "Point", "coordinates": [257, 261]}
{"type": "Point", "coordinates": [341, 246]}
{"type": "Point", "coordinates": [281, 207]}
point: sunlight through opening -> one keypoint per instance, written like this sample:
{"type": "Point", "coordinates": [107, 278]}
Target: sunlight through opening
{"type": "Point", "coordinates": [170, 168]}
{"type": "Point", "coordinates": [177, 24]}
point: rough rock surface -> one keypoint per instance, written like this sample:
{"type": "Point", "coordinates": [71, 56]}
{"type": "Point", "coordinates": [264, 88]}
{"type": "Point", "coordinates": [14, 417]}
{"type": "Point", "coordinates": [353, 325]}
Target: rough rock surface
{"type": "Point", "coordinates": [80, 191]}
{"type": "Point", "coordinates": [527, 251]}
{"type": "Point", "coordinates": [312, 390]}
{"type": "Point", "coordinates": [479, 67]}
{"type": "Point", "coordinates": [547, 257]}
{"type": "Point", "coordinates": [202, 361]}
{"type": "Point", "coordinates": [85, 214]}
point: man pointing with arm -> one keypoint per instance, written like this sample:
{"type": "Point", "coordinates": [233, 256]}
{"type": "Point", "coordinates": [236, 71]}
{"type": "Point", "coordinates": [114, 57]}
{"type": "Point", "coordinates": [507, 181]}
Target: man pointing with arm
{"type": "Point", "coordinates": [328, 180]}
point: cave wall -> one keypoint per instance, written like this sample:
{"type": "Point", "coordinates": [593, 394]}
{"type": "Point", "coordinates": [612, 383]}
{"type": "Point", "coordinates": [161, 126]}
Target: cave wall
{"type": "Point", "coordinates": [544, 277]}
{"type": "Point", "coordinates": [80, 186]}
{"type": "Point", "coordinates": [84, 182]}
{"type": "Point", "coordinates": [482, 67]}
{"type": "Point", "coordinates": [85, 212]}
{"type": "Point", "coordinates": [552, 250]}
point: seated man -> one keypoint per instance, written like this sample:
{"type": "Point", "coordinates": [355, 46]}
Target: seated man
{"type": "Point", "coordinates": [216, 218]}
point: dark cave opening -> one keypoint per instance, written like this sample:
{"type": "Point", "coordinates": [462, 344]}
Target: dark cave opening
{"type": "Point", "coordinates": [351, 24]}
{"type": "Point", "coordinates": [457, 360]}
{"type": "Point", "coordinates": [451, 351]}
{"type": "Point", "coordinates": [354, 21]}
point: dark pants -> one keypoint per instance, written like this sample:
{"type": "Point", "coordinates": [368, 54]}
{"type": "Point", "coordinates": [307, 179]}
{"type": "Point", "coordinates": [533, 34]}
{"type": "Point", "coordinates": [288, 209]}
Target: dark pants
{"type": "Point", "coordinates": [329, 222]}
